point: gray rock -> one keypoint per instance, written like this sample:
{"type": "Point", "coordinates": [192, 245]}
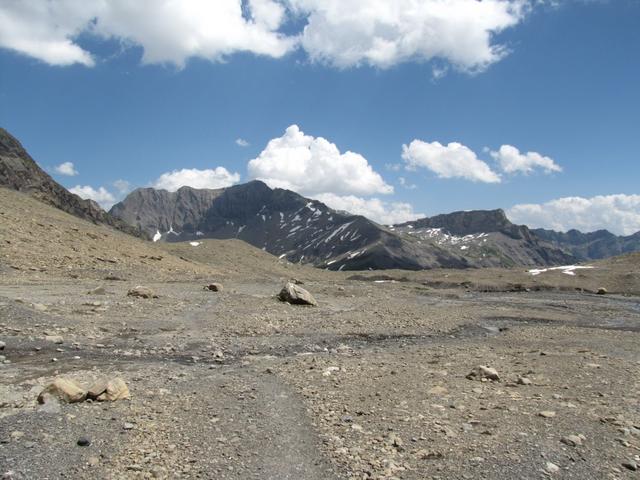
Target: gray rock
{"type": "Point", "coordinates": [57, 339]}
{"type": "Point", "coordinates": [630, 465]}
{"type": "Point", "coordinates": [2, 345]}
{"type": "Point", "coordinates": [97, 291]}
{"type": "Point", "coordinates": [141, 292]}
{"type": "Point", "coordinates": [484, 373]}
{"type": "Point", "coordinates": [296, 295]}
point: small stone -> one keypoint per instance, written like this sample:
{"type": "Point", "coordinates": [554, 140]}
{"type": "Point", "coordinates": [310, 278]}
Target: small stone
{"type": "Point", "coordinates": [524, 381]}
{"type": "Point", "coordinates": [2, 345]}
{"type": "Point", "coordinates": [438, 391]}
{"type": "Point", "coordinates": [57, 339]}
{"type": "Point", "coordinates": [572, 440]}
{"type": "Point", "coordinates": [39, 307]}
{"type": "Point", "coordinates": [84, 442]}
{"type": "Point", "coordinates": [602, 291]}
{"type": "Point", "coordinates": [552, 467]}
{"type": "Point", "coordinates": [97, 291]}
{"type": "Point", "coordinates": [484, 373]}
{"type": "Point", "coordinates": [128, 426]}
{"type": "Point", "coordinates": [93, 461]}
{"type": "Point", "coordinates": [547, 414]}
{"type": "Point", "coordinates": [630, 465]}
{"type": "Point", "coordinates": [141, 292]}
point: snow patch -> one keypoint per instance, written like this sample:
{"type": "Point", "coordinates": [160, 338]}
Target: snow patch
{"type": "Point", "coordinates": [566, 269]}
{"type": "Point", "coordinates": [157, 236]}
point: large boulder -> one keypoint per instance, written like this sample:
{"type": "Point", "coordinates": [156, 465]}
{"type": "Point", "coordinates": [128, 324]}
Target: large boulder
{"type": "Point", "coordinates": [64, 390]}
{"type": "Point", "coordinates": [296, 295]}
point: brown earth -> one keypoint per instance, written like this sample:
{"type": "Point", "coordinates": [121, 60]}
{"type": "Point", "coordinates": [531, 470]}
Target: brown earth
{"type": "Point", "coordinates": [371, 383]}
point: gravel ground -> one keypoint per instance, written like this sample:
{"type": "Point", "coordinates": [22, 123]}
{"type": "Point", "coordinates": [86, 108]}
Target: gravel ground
{"type": "Point", "coordinates": [372, 383]}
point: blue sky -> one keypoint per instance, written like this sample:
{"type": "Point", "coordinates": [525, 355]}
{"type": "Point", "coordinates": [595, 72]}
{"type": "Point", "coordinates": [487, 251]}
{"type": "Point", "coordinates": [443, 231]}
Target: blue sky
{"type": "Point", "coordinates": [559, 81]}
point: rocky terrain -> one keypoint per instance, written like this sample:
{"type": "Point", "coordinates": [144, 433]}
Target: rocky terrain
{"type": "Point", "coordinates": [498, 374]}
{"type": "Point", "coordinates": [18, 171]}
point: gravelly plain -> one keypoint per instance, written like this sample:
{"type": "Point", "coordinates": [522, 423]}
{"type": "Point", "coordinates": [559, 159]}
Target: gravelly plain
{"type": "Point", "coordinates": [370, 384]}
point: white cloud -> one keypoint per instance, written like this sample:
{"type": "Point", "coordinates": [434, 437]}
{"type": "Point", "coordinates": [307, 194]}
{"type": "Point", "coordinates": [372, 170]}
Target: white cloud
{"type": "Point", "coordinates": [66, 168]}
{"type": "Point", "coordinates": [241, 142]}
{"type": "Point", "coordinates": [383, 33]}
{"type": "Point", "coordinates": [619, 214]}
{"type": "Point", "coordinates": [341, 33]}
{"type": "Point", "coordinates": [409, 186]}
{"type": "Point", "coordinates": [169, 31]}
{"type": "Point", "coordinates": [218, 177]}
{"type": "Point", "coordinates": [122, 186]}
{"type": "Point", "coordinates": [102, 196]}
{"type": "Point", "coordinates": [313, 165]}
{"type": "Point", "coordinates": [448, 161]}
{"type": "Point", "coordinates": [385, 213]}
{"type": "Point", "coordinates": [512, 161]}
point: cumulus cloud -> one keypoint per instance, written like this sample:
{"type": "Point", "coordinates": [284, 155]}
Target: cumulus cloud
{"type": "Point", "coordinates": [218, 177]}
{"type": "Point", "coordinates": [385, 213]}
{"type": "Point", "coordinates": [101, 195]}
{"type": "Point", "coordinates": [383, 33]}
{"type": "Point", "coordinates": [512, 161]}
{"type": "Point", "coordinates": [619, 214]}
{"type": "Point", "coordinates": [66, 168]}
{"type": "Point", "coordinates": [313, 165]}
{"type": "Point", "coordinates": [241, 142]}
{"type": "Point", "coordinates": [168, 31]}
{"type": "Point", "coordinates": [340, 33]}
{"type": "Point", "coordinates": [448, 161]}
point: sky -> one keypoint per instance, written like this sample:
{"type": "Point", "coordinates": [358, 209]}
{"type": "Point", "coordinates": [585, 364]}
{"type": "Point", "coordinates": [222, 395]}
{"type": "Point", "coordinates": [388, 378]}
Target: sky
{"type": "Point", "coordinates": [394, 109]}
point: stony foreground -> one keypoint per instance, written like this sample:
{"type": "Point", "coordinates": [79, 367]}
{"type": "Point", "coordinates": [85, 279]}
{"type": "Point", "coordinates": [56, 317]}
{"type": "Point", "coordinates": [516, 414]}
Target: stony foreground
{"type": "Point", "coordinates": [371, 383]}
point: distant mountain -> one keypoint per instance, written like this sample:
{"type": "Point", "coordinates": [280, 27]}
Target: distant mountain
{"type": "Point", "coordinates": [486, 238]}
{"type": "Point", "coordinates": [590, 246]}
{"type": "Point", "coordinates": [307, 231]}
{"type": "Point", "coordinates": [18, 171]}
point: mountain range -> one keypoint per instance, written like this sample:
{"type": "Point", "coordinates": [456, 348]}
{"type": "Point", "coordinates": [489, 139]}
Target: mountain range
{"type": "Point", "coordinates": [307, 231]}
{"type": "Point", "coordinates": [302, 230]}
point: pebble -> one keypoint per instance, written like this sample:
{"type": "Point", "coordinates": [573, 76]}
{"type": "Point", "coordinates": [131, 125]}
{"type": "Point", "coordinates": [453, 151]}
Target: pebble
{"type": "Point", "coordinates": [630, 465]}
{"type": "Point", "coordinates": [572, 440]}
{"type": "Point", "coordinates": [2, 345]}
{"type": "Point", "coordinates": [524, 381]}
{"type": "Point", "coordinates": [552, 467]}
{"type": "Point", "coordinates": [84, 442]}
{"type": "Point", "coordinates": [128, 426]}
{"type": "Point", "coordinates": [547, 414]}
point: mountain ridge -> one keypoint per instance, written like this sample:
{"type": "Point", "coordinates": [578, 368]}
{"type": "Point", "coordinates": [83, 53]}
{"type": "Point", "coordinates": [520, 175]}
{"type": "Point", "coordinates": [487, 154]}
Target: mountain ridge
{"type": "Point", "coordinates": [19, 171]}
{"type": "Point", "coordinates": [289, 225]}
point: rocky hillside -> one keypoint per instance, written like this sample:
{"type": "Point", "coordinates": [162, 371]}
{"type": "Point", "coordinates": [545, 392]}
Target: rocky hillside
{"type": "Point", "coordinates": [486, 238]}
{"type": "Point", "coordinates": [38, 240]}
{"type": "Point", "coordinates": [18, 171]}
{"type": "Point", "coordinates": [290, 226]}
{"type": "Point", "coordinates": [590, 246]}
